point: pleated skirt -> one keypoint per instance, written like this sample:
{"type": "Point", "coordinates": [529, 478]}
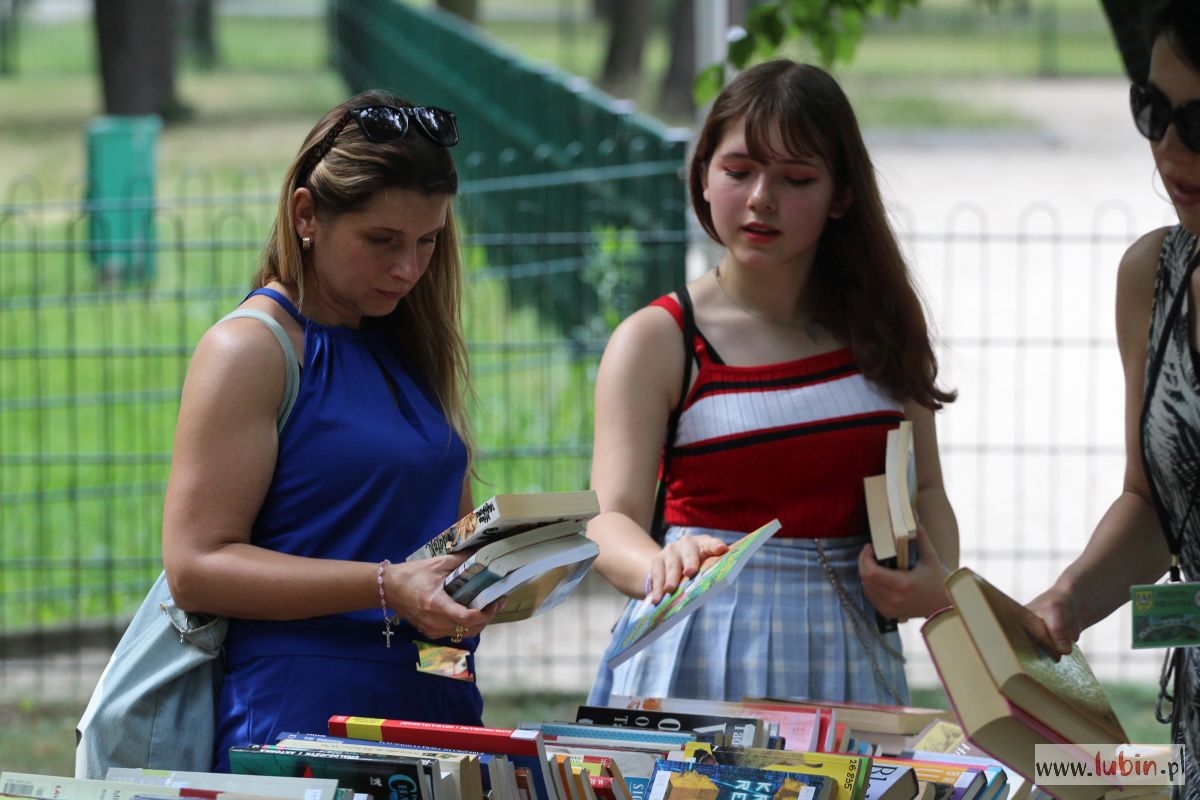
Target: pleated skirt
{"type": "Point", "coordinates": [780, 630]}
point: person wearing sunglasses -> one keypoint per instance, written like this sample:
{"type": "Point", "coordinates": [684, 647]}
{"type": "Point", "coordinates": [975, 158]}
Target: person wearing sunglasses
{"type": "Point", "coordinates": [1155, 522]}
{"type": "Point", "coordinates": [293, 501]}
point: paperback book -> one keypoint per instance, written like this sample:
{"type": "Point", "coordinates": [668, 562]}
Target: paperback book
{"type": "Point", "coordinates": [649, 621]}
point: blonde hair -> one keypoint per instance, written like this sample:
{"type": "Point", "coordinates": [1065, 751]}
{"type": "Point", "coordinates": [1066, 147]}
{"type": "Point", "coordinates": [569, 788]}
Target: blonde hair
{"type": "Point", "coordinates": [344, 171]}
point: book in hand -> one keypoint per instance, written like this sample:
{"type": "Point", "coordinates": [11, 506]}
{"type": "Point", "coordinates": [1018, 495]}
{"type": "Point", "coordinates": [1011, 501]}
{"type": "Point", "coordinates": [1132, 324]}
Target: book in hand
{"type": "Point", "coordinates": [990, 720]}
{"type": "Point", "coordinates": [1063, 694]}
{"type": "Point", "coordinates": [890, 515]}
{"type": "Point", "coordinates": [535, 569]}
{"type": "Point", "coordinates": [649, 621]}
{"type": "Point", "coordinates": [507, 514]}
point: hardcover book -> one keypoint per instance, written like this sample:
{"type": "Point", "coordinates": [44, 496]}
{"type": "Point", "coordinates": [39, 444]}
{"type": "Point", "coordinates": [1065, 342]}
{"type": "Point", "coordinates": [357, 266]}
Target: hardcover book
{"type": "Point", "coordinates": [507, 514]}
{"type": "Point", "coordinates": [991, 721]}
{"type": "Point", "coordinates": [649, 621]}
{"type": "Point", "coordinates": [1063, 694]}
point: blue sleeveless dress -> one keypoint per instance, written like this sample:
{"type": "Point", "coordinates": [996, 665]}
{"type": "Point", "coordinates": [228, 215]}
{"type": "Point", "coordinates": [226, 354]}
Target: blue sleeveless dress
{"type": "Point", "coordinates": [368, 468]}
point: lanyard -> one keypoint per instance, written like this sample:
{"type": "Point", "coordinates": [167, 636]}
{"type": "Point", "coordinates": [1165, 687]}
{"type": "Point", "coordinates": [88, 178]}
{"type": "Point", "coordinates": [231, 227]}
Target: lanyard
{"type": "Point", "coordinates": [1174, 540]}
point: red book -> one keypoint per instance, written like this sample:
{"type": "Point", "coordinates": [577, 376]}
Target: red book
{"type": "Point", "coordinates": [524, 748]}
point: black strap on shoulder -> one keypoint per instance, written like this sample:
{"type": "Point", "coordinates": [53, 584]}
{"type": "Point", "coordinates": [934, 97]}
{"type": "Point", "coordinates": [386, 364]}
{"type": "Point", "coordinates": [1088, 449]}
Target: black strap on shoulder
{"type": "Point", "coordinates": [1173, 537]}
{"type": "Point", "coordinates": [657, 529]}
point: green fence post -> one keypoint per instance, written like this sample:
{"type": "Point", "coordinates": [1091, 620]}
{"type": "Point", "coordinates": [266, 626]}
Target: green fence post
{"type": "Point", "coordinates": [121, 153]}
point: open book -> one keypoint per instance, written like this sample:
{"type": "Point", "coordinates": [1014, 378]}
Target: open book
{"type": "Point", "coordinates": [649, 621]}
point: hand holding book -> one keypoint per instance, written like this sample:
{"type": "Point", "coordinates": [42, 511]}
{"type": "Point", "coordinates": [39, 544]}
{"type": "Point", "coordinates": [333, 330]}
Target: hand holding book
{"type": "Point", "coordinates": [901, 594]}
{"type": "Point", "coordinates": [679, 561]}
{"type": "Point", "coordinates": [414, 591]}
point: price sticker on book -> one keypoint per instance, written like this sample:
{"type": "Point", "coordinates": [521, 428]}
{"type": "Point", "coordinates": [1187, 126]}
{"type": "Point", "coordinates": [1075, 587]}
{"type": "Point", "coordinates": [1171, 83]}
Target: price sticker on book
{"type": "Point", "coordinates": [1166, 614]}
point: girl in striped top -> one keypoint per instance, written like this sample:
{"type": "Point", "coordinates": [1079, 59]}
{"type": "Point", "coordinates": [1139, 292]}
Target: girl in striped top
{"type": "Point", "coordinates": [811, 343]}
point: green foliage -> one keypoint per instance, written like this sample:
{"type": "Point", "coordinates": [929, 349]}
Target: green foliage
{"type": "Point", "coordinates": [834, 27]}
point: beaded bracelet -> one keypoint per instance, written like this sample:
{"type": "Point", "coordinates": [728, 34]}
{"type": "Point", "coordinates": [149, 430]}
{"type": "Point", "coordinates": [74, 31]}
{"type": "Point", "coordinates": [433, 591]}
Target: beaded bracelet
{"type": "Point", "coordinates": [387, 621]}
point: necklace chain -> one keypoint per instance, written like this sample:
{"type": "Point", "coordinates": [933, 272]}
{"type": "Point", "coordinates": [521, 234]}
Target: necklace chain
{"type": "Point", "coordinates": [807, 325]}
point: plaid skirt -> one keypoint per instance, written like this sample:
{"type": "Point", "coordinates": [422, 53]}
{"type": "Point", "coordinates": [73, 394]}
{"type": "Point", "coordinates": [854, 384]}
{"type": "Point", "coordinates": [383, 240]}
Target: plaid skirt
{"type": "Point", "coordinates": [780, 630]}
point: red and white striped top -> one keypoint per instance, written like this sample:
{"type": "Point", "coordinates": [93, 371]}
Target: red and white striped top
{"type": "Point", "coordinates": [791, 440]}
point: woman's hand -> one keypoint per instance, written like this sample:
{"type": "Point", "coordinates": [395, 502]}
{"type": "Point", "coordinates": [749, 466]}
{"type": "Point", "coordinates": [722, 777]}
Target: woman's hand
{"type": "Point", "coordinates": [415, 589]}
{"type": "Point", "coordinates": [901, 594]}
{"type": "Point", "coordinates": [1052, 619]}
{"type": "Point", "coordinates": [678, 560]}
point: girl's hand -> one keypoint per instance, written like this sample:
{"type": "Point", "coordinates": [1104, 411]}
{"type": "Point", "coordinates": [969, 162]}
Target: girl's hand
{"type": "Point", "coordinates": [901, 594]}
{"type": "Point", "coordinates": [678, 560]}
{"type": "Point", "coordinates": [415, 590]}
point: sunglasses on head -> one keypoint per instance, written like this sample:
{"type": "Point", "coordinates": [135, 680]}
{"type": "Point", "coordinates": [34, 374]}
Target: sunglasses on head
{"type": "Point", "coordinates": [1152, 113]}
{"type": "Point", "coordinates": [384, 123]}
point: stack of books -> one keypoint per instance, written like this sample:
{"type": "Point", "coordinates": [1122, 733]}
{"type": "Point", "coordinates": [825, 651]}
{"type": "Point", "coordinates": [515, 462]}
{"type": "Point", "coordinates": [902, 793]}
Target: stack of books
{"type": "Point", "coordinates": [529, 548]}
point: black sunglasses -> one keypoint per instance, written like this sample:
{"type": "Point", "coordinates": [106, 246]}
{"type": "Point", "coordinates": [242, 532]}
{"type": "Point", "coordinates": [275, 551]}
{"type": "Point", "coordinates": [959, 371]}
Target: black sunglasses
{"type": "Point", "coordinates": [385, 123]}
{"type": "Point", "coordinates": [1152, 113]}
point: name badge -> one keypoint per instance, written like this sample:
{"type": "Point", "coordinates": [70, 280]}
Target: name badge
{"type": "Point", "coordinates": [1165, 614]}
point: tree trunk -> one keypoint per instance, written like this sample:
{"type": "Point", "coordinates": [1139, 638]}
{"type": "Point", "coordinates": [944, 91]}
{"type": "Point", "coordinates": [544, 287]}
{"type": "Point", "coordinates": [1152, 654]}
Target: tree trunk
{"type": "Point", "coordinates": [627, 31]}
{"type": "Point", "coordinates": [136, 42]}
{"type": "Point", "coordinates": [467, 9]}
{"type": "Point", "coordinates": [202, 32]}
{"type": "Point", "coordinates": [676, 100]}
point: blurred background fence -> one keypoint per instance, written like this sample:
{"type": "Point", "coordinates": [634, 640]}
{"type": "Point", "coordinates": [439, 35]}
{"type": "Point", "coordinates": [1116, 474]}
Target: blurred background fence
{"type": "Point", "coordinates": [574, 214]}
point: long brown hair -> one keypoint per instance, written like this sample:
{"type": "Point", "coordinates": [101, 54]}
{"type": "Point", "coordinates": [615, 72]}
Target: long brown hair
{"type": "Point", "coordinates": [861, 286]}
{"type": "Point", "coordinates": [344, 170]}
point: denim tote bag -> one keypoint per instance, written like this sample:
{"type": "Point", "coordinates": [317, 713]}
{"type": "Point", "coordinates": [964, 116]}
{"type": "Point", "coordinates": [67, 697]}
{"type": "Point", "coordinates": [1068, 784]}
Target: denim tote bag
{"type": "Point", "coordinates": [155, 705]}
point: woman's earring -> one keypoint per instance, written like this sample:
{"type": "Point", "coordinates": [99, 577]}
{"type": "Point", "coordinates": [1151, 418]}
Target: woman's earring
{"type": "Point", "coordinates": [306, 243]}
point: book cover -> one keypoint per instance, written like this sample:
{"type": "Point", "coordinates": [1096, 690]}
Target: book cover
{"type": "Point", "coordinates": [878, 717]}
{"type": "Point", "coordinates": [899, 482]}
{"type": "Point", "coordinates": [673, 779]}
{"type": "Point", "coordinates": [506, 514]}
{"type": "Point", "coordinates": [524, 748]}
{"type": "Point", "coordinates": [891, 782]}
{"type": "Point", "coordinates": [848, 774]}
{"type": "Point", "coordinates": [649, 621]}
{"type": "Point", "coordinates": [503, 556]}
{"type": "Point", "coordinates": [744, 731]}
{"type": "Point", "coordinates": [967, 780]}
{"type": "Point", "coordinates": [525, 565]}
{"type": "Point", "coordinates": [52, 787]}
{"type": "Point", "coordinates": [381, 777]}
{"type": "Point", "coordinates": [1063, 694]}
{"type": "Point", "coordinates": [796, 725]}
{"type": "Point", "coordinates": [265, 785]}
{"type": "Point", "coordinates": [612, 734]}
{"type": "Point", "coordinates": [990, 720]}
{"type": "Point", "coordinates": [629, 762]}
{"type": "Point", "coordinates": [462, 768]}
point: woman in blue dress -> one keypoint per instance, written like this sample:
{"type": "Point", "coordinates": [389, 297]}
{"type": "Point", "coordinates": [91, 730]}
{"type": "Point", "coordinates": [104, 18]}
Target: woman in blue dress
{"type": "Point", "coordinates": [294, 499]}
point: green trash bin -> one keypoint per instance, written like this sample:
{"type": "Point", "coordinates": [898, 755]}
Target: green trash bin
{"type": "Point", "coordinates": [121, 154]}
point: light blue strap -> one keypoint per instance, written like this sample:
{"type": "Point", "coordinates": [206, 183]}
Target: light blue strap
{"type": "Point", "coordinates": [291, 386]}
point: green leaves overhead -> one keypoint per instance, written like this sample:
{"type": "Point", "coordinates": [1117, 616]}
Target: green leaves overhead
{"type": "Point", "coordinates": [833, 26]}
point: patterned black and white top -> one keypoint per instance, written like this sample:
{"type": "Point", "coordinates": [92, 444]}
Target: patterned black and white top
{"type": "Point", "coordinates": [1171, 442]}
